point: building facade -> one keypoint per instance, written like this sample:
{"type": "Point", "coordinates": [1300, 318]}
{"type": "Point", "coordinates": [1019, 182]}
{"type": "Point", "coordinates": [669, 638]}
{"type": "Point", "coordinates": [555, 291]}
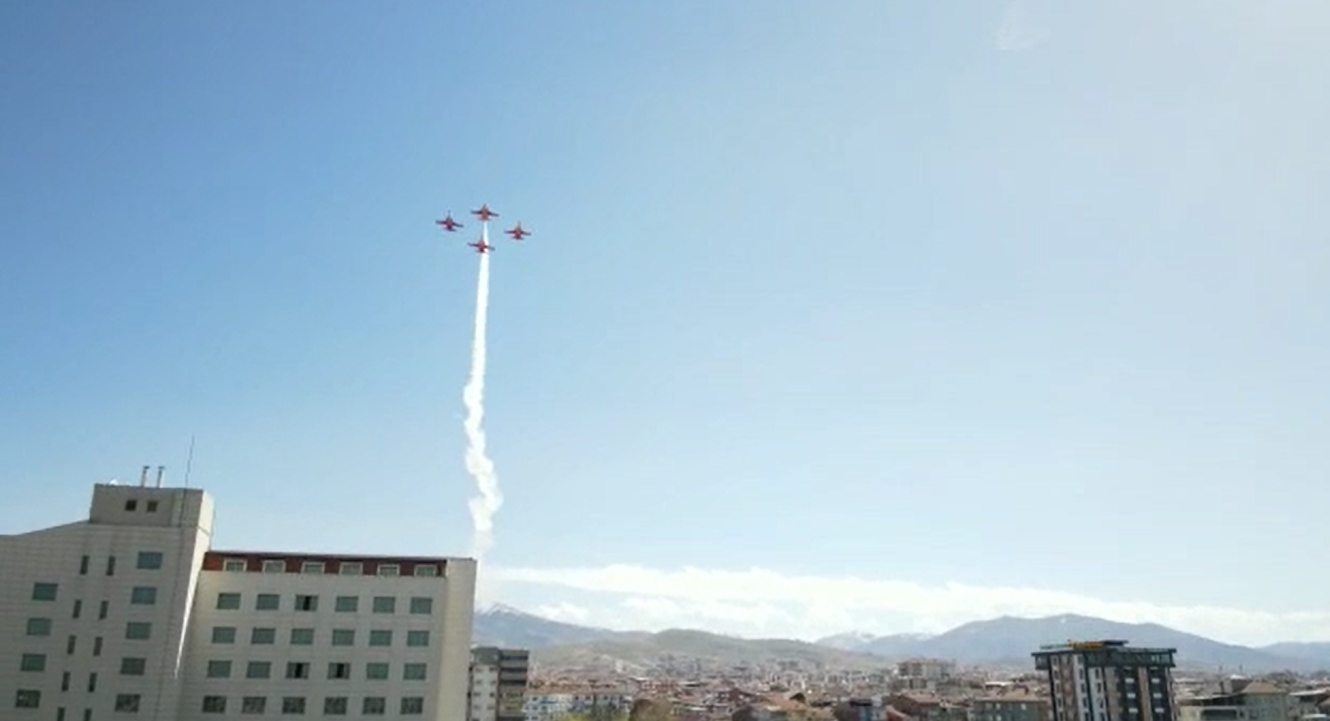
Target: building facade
{"type": "Point", "coordinates": [130, 615]}
{"type": "Point", "coordinates": [1015, 707]}
{"type": "Point", "coordinates": [1250, 701]}
{"type": "Point", "coordinates": [1109, 681]}
{"type": "Point", "coordinates": [498, 684]}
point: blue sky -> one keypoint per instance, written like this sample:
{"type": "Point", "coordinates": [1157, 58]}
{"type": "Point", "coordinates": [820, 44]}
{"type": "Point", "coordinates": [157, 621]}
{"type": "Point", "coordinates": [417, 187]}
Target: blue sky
{"type": "Point", "coordinates": [1025, 297]}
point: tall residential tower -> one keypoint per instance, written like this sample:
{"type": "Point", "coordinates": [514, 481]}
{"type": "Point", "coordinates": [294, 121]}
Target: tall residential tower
{"type": "Point", "coordinates": [1108, 681]}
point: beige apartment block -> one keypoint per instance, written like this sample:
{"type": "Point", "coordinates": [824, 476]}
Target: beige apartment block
{"type": "Point", "coordinates": [130, 614]}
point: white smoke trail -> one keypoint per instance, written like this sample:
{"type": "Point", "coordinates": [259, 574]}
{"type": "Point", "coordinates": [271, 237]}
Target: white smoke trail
{"type": "Point", "coordinates": [478, 464]}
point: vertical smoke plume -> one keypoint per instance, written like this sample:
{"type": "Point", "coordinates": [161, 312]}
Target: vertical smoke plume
{"type": "Point", "coordinates": [478, 464]}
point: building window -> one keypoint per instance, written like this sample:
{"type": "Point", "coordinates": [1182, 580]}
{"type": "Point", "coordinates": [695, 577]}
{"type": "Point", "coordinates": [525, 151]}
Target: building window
{"type": "Point", "coordinates": [83, 565]}
{"type": "Point", "coordinates": [307, 603]}
{"type": "Point", "coordinates": [223, 634]}
{"type": "Point", "coordinates": [149, 561]}
{"type": "Point", "coordinates": [423, 606]}
{"type": "Point", "coordinates": [228, 602]}
{"type": "Point", "coordinates": [380, 638]}
{"type": "Point", "coordinates": [78, 608]}
{"type": "Point", "coordinates": [143, 596]}
{"type": "Point", "coordinates": [267, 602]}
{"type": "Point", "coordinates": [346, 604]}
{"type": "Point", "coordinates": [315, 567]}
{"type": "Point", "coordinates": [39, 627]}
{"type": "Point", "coordinates": [44, 591]}
{"type": "Point", "coordinates": [376, 671]}
{"type": "Point", "coordinates": [258, 669]}
{"type": "Point", "coordinates": [413, 705]}
{"type": "Point", "coordinates": [214, 704]}
{"type": "Point", "coordinates": [127, 703]}
{"type": "Point", "coordinates": [334, 706]}
{"type": "Point", "coordinates": [274, 566]}
{"type": "Point", "coordinates": [234, 565]}
{"type": "Point", "coordinates": [219, 669]}
{"type": "Point", "coordinates": [385, 604]}
{"type": "Point", "coordinates": [92, 682]}
{"type": "Point", "coordinates": [152, 506]}
{"type": "Point", "coordinates": [138, 630]}
{"type": "Point", "coordinates": [426, 570]}
{"type": "Point", "coordinates": [343, 637]}
{"type": "Point", "coordinates": [339, 670]}
{"type": "Point", "coordinates": [302, 637]}
{"type": "Point", "coordinates": [132, 505]}
{"type": "Point", "coordinates": [70, 644]}
{"type": "Point", "coordinates": [28, 698]}
{"type": "Point", "coordinates": [297, 669]}
{"type": "Point", "coordinates": [110, 565]}
{"type": "Point", "coordinates": [253, 705]}
{"type": "Point", "coordinates": [351, 568]}
{"type": "Point", "coordinates": [64, 681]}
{"type": "Point", "coordinates": [32, 662]}
{"type": "Point", "coordinates": [133, 666]}
{"type": "Point", "coordinates": [102, 609]}
{"type": "Point", "coordinates": [263, 636]}
{"type": "Point", "coordinates": [96, 645]}
{"type": "Point", "coordinates": [413, 672]}
{"type": "Point", "coordinates": [293, 705]}
{"type": "Point", "coordinates": [390, 569]}
{"type": "Point", "coordinates": [374, 706]}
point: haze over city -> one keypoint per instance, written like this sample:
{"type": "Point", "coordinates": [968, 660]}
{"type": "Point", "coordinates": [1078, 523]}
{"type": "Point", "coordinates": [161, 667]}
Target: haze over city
{"type": "Point", "coordinates": [855, 316]}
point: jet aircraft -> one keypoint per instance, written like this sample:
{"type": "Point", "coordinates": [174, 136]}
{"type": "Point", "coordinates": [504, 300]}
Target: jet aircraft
{"type": "Point", "coordinates": [484, 213]}
{"type": "Point", "coordinates": [517, 232]}
{"type": "Point", "coordinates": [481, 246]}
{"type": "Point", "coordinates": [449, 224]}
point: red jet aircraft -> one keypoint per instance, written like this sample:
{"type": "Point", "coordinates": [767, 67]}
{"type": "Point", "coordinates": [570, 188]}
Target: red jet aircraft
{"type": "Point", "coordinates": [481, 246]}
{"type": "Point", "coordinates": [517, 232]}
{"type": "Point", "coordinates": [449, 224]}
{"type": "Point", "coordinates": [484, 213]}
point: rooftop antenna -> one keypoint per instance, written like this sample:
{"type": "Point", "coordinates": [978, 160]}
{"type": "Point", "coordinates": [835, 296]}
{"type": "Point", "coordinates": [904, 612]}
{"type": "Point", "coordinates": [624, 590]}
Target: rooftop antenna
{"type": "Point", "coordinates": [143, 477]}
{"type": "Point", "coordinates": [189, 462]}
{"type": "Point", "coordinates": [161, 471]}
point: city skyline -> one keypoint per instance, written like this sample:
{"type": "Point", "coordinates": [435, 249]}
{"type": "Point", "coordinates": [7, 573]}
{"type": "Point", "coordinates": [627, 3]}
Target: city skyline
{"type": "Point", "coordinates": [951, 310]}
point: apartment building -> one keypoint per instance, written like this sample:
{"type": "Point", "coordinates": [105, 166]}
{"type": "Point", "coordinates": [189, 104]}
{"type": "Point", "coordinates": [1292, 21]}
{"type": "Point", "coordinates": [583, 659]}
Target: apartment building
{"type": "Point", "coordinates": [1010, 707]}
{"type": "Point", "coordinates": [550, 704]}
{"type": "Point", "coordinates": [498, 684]}
{"type": "Point", "coordinates": [130, 614]}
{"type": "Point", "coordinates": [1242, 701]}
{"type": "Point", "coordinates": [1109, 681]}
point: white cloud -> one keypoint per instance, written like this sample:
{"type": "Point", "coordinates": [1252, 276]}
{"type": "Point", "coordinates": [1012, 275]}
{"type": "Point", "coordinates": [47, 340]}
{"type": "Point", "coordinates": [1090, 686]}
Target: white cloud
{"type": "Point", "coordinates": [1024, 25]}
{"type": "Point", "coordinates": [760, 602]}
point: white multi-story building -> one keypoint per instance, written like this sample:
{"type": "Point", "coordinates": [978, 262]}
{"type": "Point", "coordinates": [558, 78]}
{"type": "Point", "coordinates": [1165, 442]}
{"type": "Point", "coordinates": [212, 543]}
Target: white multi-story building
{"type": "Point", "coordinates": [553, 704]}
{"type": "Point", "coordinates": [131, 615]}
{"type": "Point", "coordinates": [498, 684]}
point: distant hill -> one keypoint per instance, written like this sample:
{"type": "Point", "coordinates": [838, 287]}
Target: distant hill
{"type": "Point", "coordinates": [1010, 639]}
{"type": "Point", "coordinates": [501, 625]}
{"type": "Point", "coordinates": [704, 646]}
{"type": "Point", "coordinates": [1316, 653]}
{"type": "Point", "coordinates": [996, 641]}
{"type": "Point", "coordinates": [898, 645]}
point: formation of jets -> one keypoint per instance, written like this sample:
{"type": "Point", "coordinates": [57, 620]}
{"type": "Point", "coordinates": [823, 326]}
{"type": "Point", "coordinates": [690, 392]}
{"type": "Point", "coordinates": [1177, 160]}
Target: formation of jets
{"type": "Point", "coordinates": [484, 213]}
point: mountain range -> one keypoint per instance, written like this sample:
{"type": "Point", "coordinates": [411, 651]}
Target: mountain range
{"type": "Point", "coordinates": [1005, 640]}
